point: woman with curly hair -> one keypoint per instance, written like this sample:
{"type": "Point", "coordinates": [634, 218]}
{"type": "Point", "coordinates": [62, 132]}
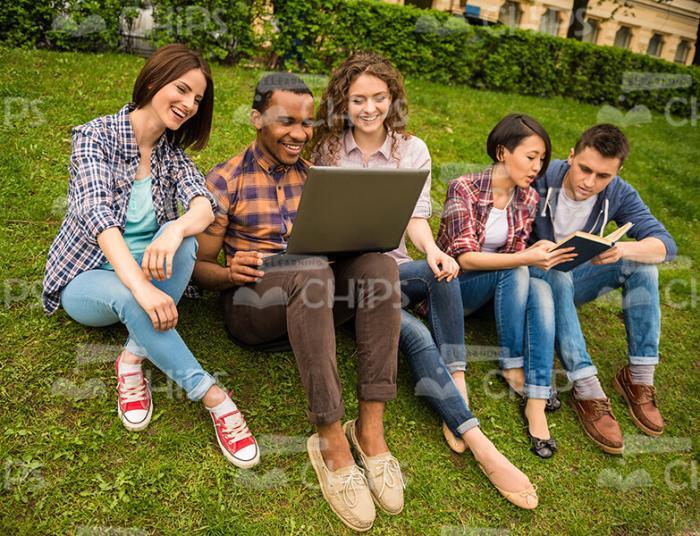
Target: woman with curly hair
{"type": "Point", "coordinates": [362, 123]}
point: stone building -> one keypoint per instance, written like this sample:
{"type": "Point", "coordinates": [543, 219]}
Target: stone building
{"type": "Point", "coordinates": [665, 29]}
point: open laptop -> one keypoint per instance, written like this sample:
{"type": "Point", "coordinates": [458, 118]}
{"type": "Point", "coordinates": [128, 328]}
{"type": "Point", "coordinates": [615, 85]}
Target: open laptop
{"type": "Point", "coordinates": [351, 210]}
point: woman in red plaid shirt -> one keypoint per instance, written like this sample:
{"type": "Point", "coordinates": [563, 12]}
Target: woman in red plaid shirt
{"type": "Point", "coordinates": [486, 221]}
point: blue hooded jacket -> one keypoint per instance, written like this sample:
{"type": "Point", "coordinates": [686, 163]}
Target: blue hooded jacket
{"type": "Point", "coordinates": [619, 202]}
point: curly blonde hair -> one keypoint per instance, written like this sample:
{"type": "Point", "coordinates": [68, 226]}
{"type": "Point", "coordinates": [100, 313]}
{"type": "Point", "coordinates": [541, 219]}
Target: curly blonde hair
{"type": "Point", "coordinates": [332, 116]}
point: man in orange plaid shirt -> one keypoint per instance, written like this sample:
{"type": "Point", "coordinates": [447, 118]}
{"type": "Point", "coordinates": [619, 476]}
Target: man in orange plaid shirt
{"type": "Point", "coordinates": [258, 193]}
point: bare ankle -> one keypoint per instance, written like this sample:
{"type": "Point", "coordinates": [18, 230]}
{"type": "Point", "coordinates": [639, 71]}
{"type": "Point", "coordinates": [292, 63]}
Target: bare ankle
{"type": "Point", "coordinates": [130, 359]}
{"type": "Point", "coordinates": [537, 418]}
{"type": "Point", "coordinates": [335, 448]}
{"type": "Point", "coordinates": [371, 438]}
{"type": "Point", "coordinates": [214, 396]}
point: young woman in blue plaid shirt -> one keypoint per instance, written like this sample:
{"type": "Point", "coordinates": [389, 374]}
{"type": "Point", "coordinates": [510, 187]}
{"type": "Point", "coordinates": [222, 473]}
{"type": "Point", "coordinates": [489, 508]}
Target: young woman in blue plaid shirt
{"type": "Point", "coordinates": [124, 254]}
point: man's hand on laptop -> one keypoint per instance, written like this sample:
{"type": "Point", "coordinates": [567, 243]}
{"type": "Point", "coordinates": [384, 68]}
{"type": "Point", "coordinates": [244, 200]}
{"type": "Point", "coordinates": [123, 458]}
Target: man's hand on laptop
{"type": "Point", "coordinates": [243, 267]}
{"type": "Point", "coordinates": [442, 265]}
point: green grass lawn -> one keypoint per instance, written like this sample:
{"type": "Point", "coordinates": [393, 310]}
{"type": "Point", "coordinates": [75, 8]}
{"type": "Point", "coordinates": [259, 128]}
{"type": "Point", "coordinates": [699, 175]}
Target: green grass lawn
{"type": "Point", "coordinates": [68, 466]}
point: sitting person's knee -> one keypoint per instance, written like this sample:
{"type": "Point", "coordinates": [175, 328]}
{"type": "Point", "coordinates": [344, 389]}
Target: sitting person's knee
{"type": "Point", "coordinates": [379, 266]}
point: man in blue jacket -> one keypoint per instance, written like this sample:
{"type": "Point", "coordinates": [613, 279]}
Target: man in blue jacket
{"type": "Point", "coordinates": [584, 193]}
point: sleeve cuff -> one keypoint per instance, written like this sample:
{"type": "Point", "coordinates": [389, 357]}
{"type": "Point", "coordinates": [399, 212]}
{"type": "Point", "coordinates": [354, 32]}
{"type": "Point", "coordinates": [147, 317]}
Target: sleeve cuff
{"type": "Point", "coordinates": [99, 219]}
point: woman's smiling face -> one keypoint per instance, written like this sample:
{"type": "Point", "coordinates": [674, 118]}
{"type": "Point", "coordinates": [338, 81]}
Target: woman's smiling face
{"type": "Point", "coordinates": [178, 101]}
{"type": "Point", "coordinates": [369, 102]}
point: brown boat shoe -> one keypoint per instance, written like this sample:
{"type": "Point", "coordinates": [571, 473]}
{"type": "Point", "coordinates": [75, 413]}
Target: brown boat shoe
{"type": "Point", "coordinates": [599, 423]}
{"type": "Point", "coordinates": [641, 401]}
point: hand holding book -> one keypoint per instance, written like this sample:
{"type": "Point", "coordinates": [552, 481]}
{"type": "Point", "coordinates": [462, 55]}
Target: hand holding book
{"type": "Point", "coordinates": [603, 250]}
{"type": "Point", "coordinates": [544, 254]}
{"type": "Point", "coordinates": [611, 255]}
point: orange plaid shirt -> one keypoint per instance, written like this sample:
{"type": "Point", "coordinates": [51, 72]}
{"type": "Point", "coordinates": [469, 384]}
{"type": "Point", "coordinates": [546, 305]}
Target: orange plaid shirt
{"type": "Point", "coordinates": [257, 201]}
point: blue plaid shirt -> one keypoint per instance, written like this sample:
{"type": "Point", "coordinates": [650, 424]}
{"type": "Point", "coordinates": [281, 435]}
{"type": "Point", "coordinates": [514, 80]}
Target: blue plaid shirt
{"type": "Point", "coordinates": [102, 170]}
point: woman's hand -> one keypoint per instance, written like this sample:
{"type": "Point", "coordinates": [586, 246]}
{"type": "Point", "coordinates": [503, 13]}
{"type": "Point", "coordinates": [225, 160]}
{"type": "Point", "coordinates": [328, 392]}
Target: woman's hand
{"type": "Point", "coordinates": [543, 255]}
{"type": "Point", "coordinates": [159, 306]}
{"type": "Point", "coordinates": [442, 265]}
{"type": "Point", "coordinates": [160, 253]}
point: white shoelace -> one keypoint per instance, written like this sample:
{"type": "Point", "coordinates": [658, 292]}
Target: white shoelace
{"type": "Point", "coordinates": [349, 483]}
{"type": "Point", "coordinates": [131, 391]}
{"type": "Point", "coordinates": [235, 427]}
{"type": "Point", "coordinates": [390, 471]}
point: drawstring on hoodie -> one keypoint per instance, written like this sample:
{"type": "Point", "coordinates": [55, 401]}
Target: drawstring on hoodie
{"type": "Point", "coordinates": [606, 207]}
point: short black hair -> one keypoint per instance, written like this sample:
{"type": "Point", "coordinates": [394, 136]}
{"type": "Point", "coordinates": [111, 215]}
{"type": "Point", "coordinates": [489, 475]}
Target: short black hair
{"type": "Point", "coordinates": [280, 81]}
{"type": "Point", "coordinates": [605, 138]}
{"type": "Point", "coordinates": [511, 131]}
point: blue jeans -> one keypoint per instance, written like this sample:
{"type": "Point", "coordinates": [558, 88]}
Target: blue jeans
{"type": "Point", "coordinates": [524, 313]}
{"type": "Point", "coordinates": [583, 284]}
{"type": "Point", "coordinates": [435, 353]}
{"type": "Point", "coordinates": [98, 298]}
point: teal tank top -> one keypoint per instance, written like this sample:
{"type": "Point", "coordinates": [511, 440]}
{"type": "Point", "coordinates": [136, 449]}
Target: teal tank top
{"type": "Point", "coordinates": [141, 224]}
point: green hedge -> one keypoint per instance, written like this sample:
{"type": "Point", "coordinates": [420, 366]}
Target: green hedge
{"type": "Point", "coordinates": [64, 25]}
{"type": "Point", "coordinates": [221, 29]}
{"type": "Point", "coordinates": [316, 35]}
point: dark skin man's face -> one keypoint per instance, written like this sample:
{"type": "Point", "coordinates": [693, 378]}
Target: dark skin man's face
{"type": "Point", "coordinates": [285, 127]}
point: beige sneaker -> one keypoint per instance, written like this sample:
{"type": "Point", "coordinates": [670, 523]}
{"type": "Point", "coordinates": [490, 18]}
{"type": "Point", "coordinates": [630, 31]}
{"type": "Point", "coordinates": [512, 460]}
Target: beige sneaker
{"type": "Point", "coordinates": [383, 475]}
{"type": "Point", "coordinates": [345, 490]}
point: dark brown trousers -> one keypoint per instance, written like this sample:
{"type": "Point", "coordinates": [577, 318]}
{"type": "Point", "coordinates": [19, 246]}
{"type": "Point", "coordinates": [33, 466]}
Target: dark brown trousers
{"type": "Point", "coordinates": [306, 301]}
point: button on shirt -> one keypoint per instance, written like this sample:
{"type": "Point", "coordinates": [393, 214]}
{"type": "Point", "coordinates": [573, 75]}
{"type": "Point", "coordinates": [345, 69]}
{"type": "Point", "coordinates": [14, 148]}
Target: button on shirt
{"type": "Point", "coordinates": [410, 153]}
{"type": "Point", "coordinates": [258, 201]}
{"type": "Point", "coordinates": [102, 169]}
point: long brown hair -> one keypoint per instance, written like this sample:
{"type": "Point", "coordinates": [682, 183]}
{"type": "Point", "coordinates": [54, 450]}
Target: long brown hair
{"type": "Point", "coordinates": [332, 116]}
{"type": "Point", "coordinates": [165, 65]}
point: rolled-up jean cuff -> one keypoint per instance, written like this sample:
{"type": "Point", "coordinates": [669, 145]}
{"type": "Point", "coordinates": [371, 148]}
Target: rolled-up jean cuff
{"type": "Point", "coordinates": [326, 417]}
{"type": "Point", "coordinates": [376, 392]}
{"type": "Point", "coordinates": [582, 373]}
{"type": "Point", "coordinates": [453, 353]}
{"type": "Point", "coordinates": [512, 362]}
{"type": "Point", "coordinates": [456, 366]}
{"type": "Point", "coordinates": [537, 391]}
{"type": "Point", "coordinates": [135, 348]}
{"type": "Point", "coordinates": [467, 425]}
{"type": "Point", "coordinates": [643, 360]}
{"type": "Point", "coordinates": [198, 392]}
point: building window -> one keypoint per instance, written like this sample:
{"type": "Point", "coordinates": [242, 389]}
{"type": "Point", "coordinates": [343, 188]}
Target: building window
{"type": "Point", "coordinates": [622, 37]}
{"type": "Point", "coordinates": [510, 13]}
{"type": "Point", "coordinates": [656, 43]}
{"type": "Point", "coordinates": [590, 31]}
{"type": "Point", "coordinates": [682, 52]}
{"type": "Point", "coordinates": [549, 23]}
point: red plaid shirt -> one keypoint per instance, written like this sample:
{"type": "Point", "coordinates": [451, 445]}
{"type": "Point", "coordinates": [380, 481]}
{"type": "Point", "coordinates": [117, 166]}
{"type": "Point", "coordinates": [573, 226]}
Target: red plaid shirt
{"type": "Point", "coordinates": [469, 201]}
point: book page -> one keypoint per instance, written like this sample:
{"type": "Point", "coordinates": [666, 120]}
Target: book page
{"type": "Point", "coordinates": [619, 233]}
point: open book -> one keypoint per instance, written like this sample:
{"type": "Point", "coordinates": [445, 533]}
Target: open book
{"type": "Point", "coordinates": [588, 246]}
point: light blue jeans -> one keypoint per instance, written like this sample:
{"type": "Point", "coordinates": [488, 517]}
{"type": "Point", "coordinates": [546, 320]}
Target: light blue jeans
{"type": "Point", "coordinates": [585, 283]}
{"type": "Point", "coordinates": [524, 312]}
{"type": "Point", "coordinates": [435, 353]}
{"type": "Point", "coordinates": [98, 298]}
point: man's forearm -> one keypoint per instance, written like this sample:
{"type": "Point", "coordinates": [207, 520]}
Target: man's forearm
{"type": "Point", "coordinates": [212, 276]}
{"type": "Point", "coordinates": [649, 250]}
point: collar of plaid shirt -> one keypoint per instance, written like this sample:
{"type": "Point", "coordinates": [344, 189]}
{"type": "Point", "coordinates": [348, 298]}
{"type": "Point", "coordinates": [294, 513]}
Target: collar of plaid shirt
{"type": "Point", "coordinates": [269, 166]}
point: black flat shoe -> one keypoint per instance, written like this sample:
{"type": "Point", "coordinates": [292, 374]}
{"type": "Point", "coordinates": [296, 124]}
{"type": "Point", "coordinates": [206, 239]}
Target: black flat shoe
{"type": "Point", "coordinates": [544, 448]}
{"type": "Point", "coordinates": [553, 402]}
